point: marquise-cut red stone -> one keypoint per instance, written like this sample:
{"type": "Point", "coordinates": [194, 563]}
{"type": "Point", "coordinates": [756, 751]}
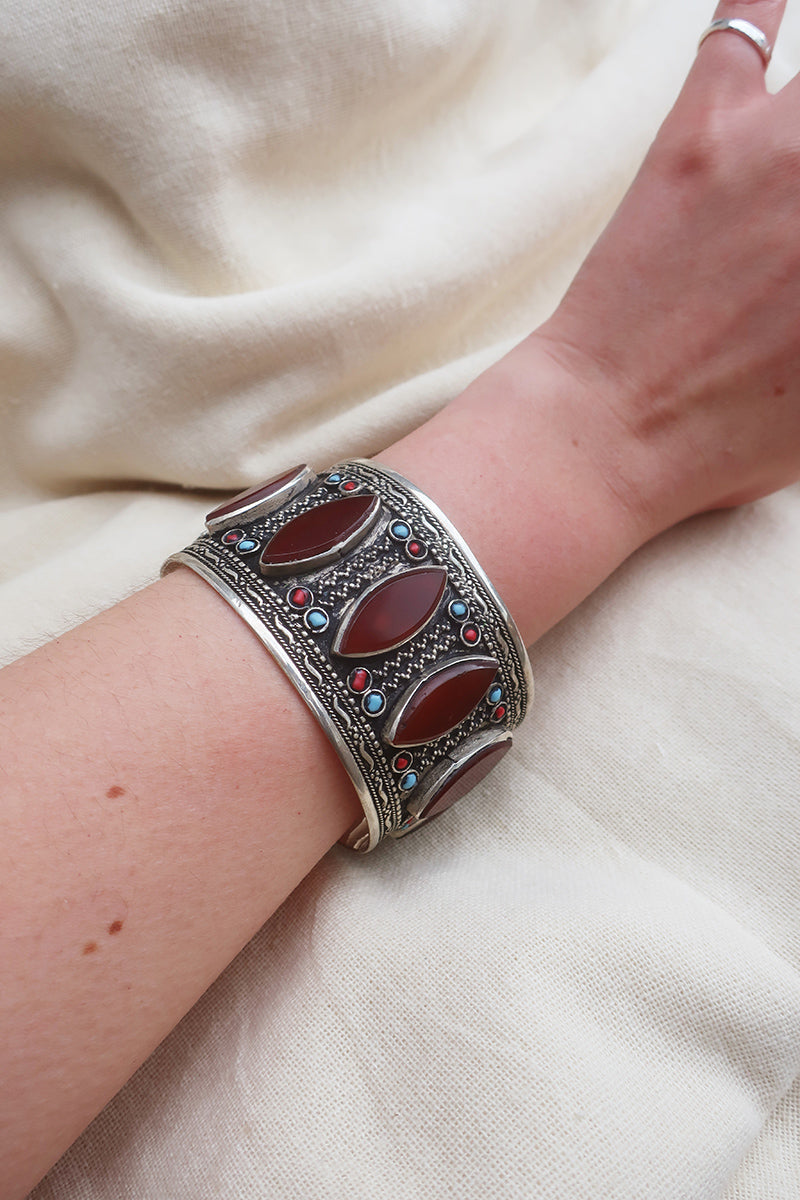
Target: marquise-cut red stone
{"type": "Point", "coordinates": [391, 612]}
{"type": "Point", "coordinates": [464, 778]}
{"type": "Point", "coordinates": [440, 701]}
{"type": "Point", "coordinates": [254, 495]}
{"type": "Point", "coordinates": [320, 534]}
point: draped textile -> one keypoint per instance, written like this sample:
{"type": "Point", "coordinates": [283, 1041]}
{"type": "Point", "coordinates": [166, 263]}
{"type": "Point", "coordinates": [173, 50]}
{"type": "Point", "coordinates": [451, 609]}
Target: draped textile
{"type": "Point", "coordinates": [244, 234]}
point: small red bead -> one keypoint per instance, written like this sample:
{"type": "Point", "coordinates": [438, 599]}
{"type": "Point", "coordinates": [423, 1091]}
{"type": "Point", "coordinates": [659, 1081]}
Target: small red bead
{"type": "Point", "coordinates": [413, 547]}
{"type": "Point", "coordinates": [401, 763]}
{"type": "Point", "coordinates": [499, 712]}
{"type": "Point", "coordinates": [349, 485]}
{"type": "Point", "coordinates": [359, 679]}
{"type": "Point", "coordinates": [470, 635]}
{"type": "Point", "coordinates": [300, 597]}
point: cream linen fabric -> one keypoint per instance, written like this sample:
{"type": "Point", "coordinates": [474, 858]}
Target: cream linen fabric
{"type": "Point", "coordinates": [242, 234]}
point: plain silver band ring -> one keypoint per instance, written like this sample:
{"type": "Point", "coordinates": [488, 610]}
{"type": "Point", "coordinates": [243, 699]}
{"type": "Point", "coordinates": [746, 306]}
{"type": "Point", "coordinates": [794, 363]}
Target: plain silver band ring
{"type": "Point", "coordinates": [745, 29]}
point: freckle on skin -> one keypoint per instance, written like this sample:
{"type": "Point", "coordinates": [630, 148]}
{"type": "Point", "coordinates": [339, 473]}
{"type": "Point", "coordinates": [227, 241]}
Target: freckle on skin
{"type": "Point", "coordinates": [115, 927]}
{"type": "Point", "coordinates": [90, 948]}
{"type": "Point", "coordinates": [114, 791]}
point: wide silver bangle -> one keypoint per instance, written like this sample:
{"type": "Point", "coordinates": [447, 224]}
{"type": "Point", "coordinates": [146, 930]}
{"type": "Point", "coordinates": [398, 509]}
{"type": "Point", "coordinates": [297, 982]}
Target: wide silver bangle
{"type": "Point", "coordinates": [378, 612]}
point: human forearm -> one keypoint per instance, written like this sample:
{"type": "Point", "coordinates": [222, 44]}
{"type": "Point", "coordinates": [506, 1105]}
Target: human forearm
{"type": "Point", "coordinates": [165, 787]}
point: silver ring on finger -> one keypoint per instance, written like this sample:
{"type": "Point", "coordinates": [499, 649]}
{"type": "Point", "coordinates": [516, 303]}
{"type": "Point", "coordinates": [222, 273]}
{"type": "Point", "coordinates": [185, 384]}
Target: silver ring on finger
{"type": "Point", "coordinates": [745, 29]}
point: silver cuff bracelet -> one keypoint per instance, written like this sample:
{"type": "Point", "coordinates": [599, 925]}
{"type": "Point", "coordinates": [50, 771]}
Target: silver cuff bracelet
{"type": "Point", "coordinates": [377, 611]}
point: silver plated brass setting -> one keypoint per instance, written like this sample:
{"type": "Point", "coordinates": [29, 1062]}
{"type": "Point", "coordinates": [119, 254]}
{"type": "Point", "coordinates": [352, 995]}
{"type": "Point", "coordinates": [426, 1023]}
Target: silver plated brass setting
{"type": "Point", "coordinates": [342, 692]}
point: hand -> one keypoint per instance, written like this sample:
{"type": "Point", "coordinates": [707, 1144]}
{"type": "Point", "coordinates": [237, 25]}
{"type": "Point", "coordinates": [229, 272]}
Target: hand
{"type": "Point", "coordinates": [685, 317]}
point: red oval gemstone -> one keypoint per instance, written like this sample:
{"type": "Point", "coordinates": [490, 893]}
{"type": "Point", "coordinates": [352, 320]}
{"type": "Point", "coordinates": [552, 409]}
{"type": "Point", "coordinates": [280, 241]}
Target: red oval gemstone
{"type": "Point", "coordinates": [390, 612]}
{"type": "Point", "coordinates": [253, 498]}
{"type": "Point", "coordinates": [464, 778]}
{"type": "Point", "coordinates": [319, 535]}
{"type": "Point", "coordinates": [439, 701]}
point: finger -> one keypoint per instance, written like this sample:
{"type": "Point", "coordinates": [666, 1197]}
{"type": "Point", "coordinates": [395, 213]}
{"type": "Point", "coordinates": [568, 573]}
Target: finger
{"type": "Point", "coordinates": [728, 65]}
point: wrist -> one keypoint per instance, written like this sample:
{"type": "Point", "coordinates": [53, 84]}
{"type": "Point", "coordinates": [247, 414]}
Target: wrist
{"type": "Point", "coordinates": [635, 453]}
{"type": "Point", "coordinates": [539, 477]}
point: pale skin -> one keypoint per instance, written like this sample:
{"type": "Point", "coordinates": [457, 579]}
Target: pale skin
{"type": "Point", "coordinates": [142, 843]}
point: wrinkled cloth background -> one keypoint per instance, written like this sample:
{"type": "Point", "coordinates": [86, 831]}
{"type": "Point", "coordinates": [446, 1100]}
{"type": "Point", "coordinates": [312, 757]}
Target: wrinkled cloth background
{"type": "Point", "coordinates": [244, 234]}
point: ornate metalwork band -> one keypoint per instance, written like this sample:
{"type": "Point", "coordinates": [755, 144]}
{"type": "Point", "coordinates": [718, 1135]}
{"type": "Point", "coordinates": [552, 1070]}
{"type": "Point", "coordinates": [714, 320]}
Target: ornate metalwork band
{"type": "Point", "coordinates": [376, 609]}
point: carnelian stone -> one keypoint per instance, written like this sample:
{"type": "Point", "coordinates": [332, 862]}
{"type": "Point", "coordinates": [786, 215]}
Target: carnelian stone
{"type": "Point", "coordinates": [390, 613]}
{"type": "Point", "coordinates": [321, 533]}
{"type": "Point", "coordinates": [464, 778]}
{"type": "Point", "coordinates": [440, 701]}
{"type": "Point", "coordinates": [252, 496]}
